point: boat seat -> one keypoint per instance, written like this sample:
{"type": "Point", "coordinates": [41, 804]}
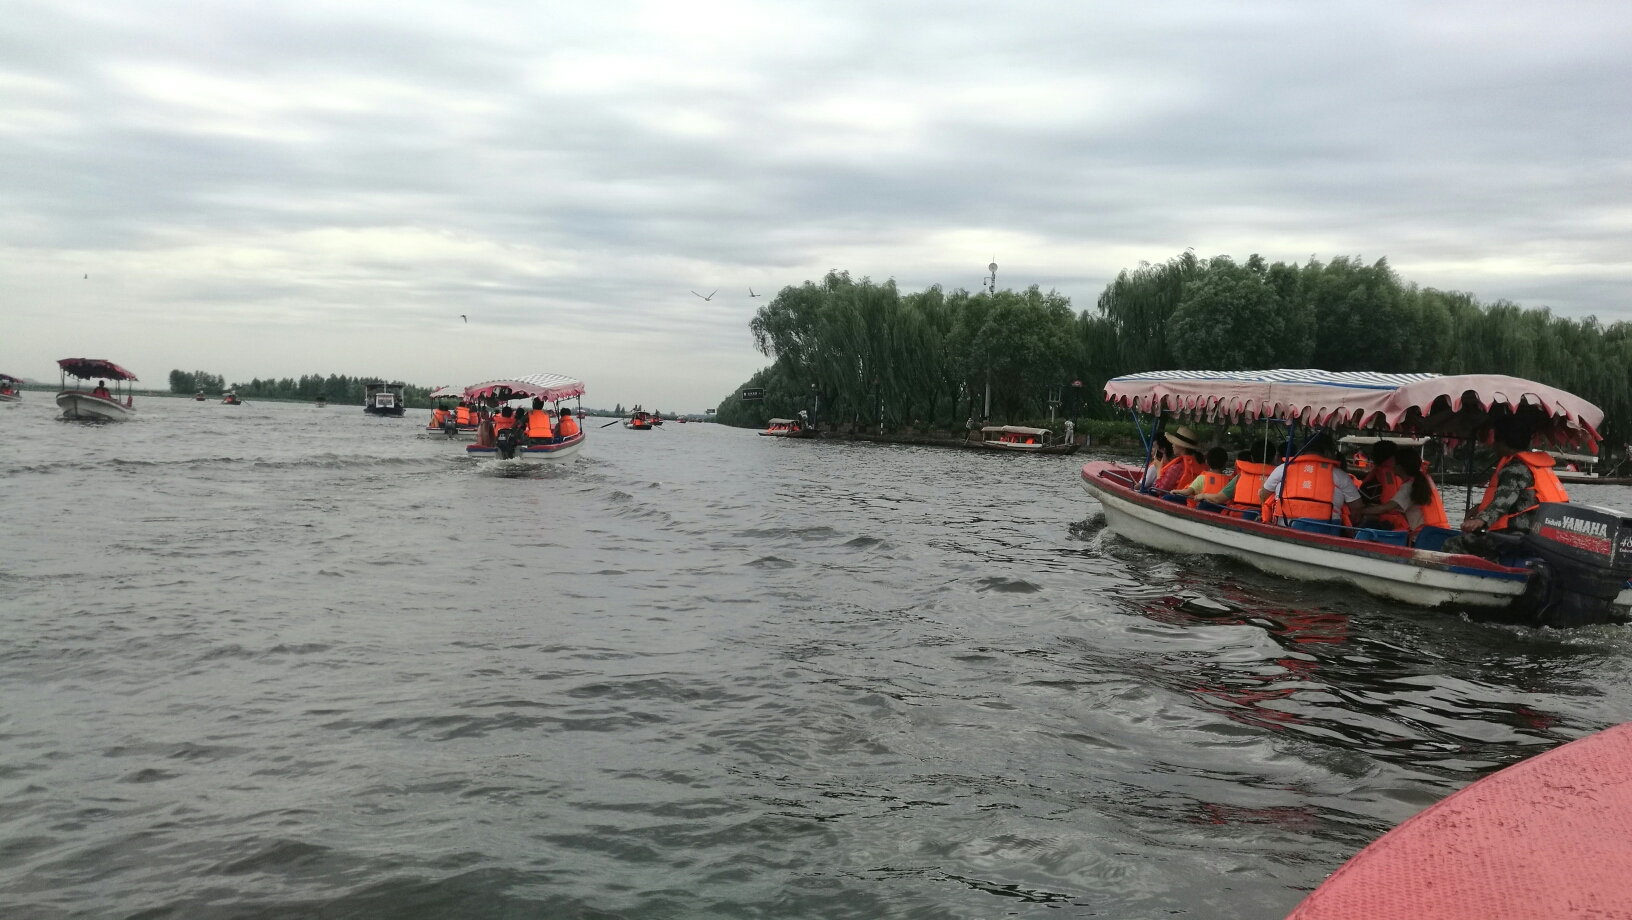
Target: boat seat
{"type": "Point", "coordinates": [1311, 525]}
{"type": "Point", "coordinates": [1391, 537]}
{"type": "Point", "coordinates": [1433, 538]}
{"type": "Point", "coordinates": [1250, 515]}
{"type": "Point", "coordinates": [1170, 497]}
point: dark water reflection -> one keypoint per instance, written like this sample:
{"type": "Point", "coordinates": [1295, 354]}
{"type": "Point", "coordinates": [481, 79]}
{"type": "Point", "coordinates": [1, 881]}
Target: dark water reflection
{"type": "Point", "coordinates": [277, 661]}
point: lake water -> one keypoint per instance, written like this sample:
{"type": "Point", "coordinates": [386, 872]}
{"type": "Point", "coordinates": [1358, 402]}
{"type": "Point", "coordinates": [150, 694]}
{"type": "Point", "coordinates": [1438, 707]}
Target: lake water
{"type": "Point", "coordinates": [278, 661]}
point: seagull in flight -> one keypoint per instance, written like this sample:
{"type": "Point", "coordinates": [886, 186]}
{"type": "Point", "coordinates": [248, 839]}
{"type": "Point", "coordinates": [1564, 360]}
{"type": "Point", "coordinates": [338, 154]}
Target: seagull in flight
{"type": "Point", "coordinates": [710, 294]}
{"type": "Point", "coordinates": [752, 294]}
{"type": "Point", "coordinates": [462, 316]}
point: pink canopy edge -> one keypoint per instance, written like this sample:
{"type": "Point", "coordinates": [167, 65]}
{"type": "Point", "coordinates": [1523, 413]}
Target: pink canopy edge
{"type": "Point", "coordinates": [1323, 398]}
{"type": "Point", "coordinates": [548, 387]}
{"type": "Point", "coordinates": [87, 368]}
{"type": "Point", "coordinates": [7, 378]}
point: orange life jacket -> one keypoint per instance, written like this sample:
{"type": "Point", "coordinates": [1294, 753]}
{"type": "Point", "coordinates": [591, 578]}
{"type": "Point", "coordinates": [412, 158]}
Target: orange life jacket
{"type": "Point", "coordinates": [1249, 481]}
{"type": "Point", "coordinates": [501, 422]}
{"type": "Point", "coordinates": [538, 424]}
{"type": "Point", "coordinates": [1307, 490]}
{"type": "Point", "coordinates": [461, 416]}
{"type": "Point", "coordinates": [438, 416]}
{"type": "Point", "coordinates": [1213, 482]}
{"type": "Point", "coordinates": [1548, 488]}
{"type": "Point", "coordinates": [568, 426]}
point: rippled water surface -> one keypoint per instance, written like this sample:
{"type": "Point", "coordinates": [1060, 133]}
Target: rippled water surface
{"type": "Point", "coordinates": [280, 661]}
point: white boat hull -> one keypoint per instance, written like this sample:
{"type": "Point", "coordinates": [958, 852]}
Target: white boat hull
{"type": "Point", "coordinates": [79, 405]}
{"type": "Point", "coordinates": [10, 397]}
{"type": "Point", "coordinates": [1417, 577]}
{"type": "Point", "coordinates": [548, 453]}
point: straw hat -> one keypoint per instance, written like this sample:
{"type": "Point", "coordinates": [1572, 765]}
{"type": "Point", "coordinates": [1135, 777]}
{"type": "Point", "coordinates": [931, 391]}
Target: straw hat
{"type": "Point", "coordinates": [1184, 438]}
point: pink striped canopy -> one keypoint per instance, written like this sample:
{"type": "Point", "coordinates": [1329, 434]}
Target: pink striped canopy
{"type": "Point", "coordinates": [548, 387]}
{"type": "Point", "coordinates": [1418, 404]}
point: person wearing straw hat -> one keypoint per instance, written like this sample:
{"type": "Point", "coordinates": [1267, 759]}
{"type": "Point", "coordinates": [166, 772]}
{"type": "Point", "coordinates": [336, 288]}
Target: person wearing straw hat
{"type": "Point", "coordinates": [1186, 466]}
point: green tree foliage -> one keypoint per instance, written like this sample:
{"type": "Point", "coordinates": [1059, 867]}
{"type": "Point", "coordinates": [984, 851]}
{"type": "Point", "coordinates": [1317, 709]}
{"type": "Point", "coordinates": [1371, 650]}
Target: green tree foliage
{"type": "Point", "coordinates": [187, 383]}
{"type": "Point", "coordinates": [874, 353]}
{"type": "Point", "coordinates": [864, 353]}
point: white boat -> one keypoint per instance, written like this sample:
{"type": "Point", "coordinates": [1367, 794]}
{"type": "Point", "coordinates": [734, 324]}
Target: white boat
{"type": "Point", "coordinates": [1377, 561]}
{"type": "Point", "coordinates": [789, 428]}
{"type": "Point", "coordinates": [10, 389]}
{"type": "Point", "coordinates": [1021, 440]}
{"type": "Point", "coordinates": [547, 388]}
{"type": "Point", "coordinates": [96, 403]}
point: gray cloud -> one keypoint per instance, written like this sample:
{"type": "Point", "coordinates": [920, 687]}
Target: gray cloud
{"type": "Point", "coordinates": [272, 190]}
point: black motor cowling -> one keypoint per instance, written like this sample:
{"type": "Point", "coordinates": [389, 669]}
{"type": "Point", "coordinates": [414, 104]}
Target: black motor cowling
{"type": "Point", "coordinates": [1583, 557]}
{"type": "Point", "coordinates": [505, 443]}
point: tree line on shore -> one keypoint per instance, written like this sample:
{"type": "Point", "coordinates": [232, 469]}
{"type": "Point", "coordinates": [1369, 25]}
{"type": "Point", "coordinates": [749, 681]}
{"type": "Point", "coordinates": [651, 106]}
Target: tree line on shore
{"type": "Point", "coordinates": [866, 353]}
{"type": "Point", "coordinates": [339, 389]}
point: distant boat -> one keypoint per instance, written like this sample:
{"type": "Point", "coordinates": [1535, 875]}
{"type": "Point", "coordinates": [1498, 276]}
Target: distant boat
{"type": "Point", "coordinates": [322, 402]}
{"type": "Point", "coordinates": [380, 398]}
{"type": "Point", "coordinates": [9, 389]}
{"type": "Point", "coordinates": [789, 428]}
{"type": "Point", "coordinates": [230, 398]}
{"type": "Point", "coordinates": [199, 397]}
{"type": "Point", "coordinates": [1021, 440]}
{"type": "Point", "coordinates": [639, 420]}
{"type": "Point", "coordinates": [98, 403]}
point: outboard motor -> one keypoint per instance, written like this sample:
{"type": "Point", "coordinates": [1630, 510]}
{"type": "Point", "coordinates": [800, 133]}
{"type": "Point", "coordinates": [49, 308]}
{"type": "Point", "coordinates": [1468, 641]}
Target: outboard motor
{"type": "Point", "coordinates": [1582, 557]}
{"type": "Point", "coordinates": [450, 426]}
{"type": "Point", "coordinates": [505, 443]}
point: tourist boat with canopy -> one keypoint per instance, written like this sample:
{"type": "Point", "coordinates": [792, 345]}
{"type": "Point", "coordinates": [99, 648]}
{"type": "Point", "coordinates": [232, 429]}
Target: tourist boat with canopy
{"type": "Point", "coordinates": [511, 443]}
{"type": "Point", "coordinates": [230, 398]}
{"type": "Point", "coordinates": [10, 389]}
{"type": "Point", "coordinates": [1571, 570]}
{"type": "Point", "coordinates": [98, 403]}
{"type": "Point", "coordinates": [790, 428]}
{"type": "Point", "coordinates": [1020, 440]}
{"type": "Point", "coordinates": [639, 420]}
{"type": "Point", "coordinates": [448, 399]}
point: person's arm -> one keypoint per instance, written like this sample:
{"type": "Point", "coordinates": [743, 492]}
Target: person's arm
{"type": "Point", "coordinates": [1345, 491]}
{"type": "Point", "coordinates": [1194, 488]}
{"type": "Point", "coordinates": [1515, 491]}
{"type": "Point", "coordinates": [1272, 485]}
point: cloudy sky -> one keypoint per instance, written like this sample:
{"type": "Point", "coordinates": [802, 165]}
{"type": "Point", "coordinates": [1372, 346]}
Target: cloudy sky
{"type": "Point", "coordinates": [271, 189]}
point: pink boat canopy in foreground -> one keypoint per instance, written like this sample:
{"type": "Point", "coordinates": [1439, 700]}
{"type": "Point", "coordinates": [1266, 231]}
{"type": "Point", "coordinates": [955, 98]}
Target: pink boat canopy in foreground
{"type": "Point", "coordinates": [1418, 404]}
{"type": "Point", "coordinates": [440, 392]}
{"type": "Point", "coordinates": [548, 387]}
{"type": "Point", "coordinates": [89, 368]}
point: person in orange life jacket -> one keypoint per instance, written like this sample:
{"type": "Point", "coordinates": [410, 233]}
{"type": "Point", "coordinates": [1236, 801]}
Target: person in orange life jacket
{"type": "Point", "coordinates": [1523, 480]}
{"type": "Point", "coordinates": [538, 423]}
{"type": "Point", "coordinates": [568, 426]}
{"type": "Point", "coordinates": [438, 416]}
{"type": "Point", "coordinates": [1307, 494]}
{"type": "Point", "coordinates": [1408, 500]}
{"type": "Point", "coordinates": [1161, 454]}
{"type": "Point", "coordinates": [1185, 466]}
{"type": "Point", "coordinates": [1381, 476]}
{"type": "Point", "coordinates": [102, 390]}
{"type": "Point", "coordinates": [1214, 479]}
{"type": "Point", "coordinates": [505, 418]}
{"type": "Point", "coordinates": [1250, 471]}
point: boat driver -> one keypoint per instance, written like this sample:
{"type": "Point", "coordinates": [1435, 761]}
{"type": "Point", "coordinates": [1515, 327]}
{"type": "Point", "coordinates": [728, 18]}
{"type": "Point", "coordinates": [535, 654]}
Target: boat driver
{"type": "Point", "coordinates": [1523, 479]}
{"type": "Point", "coordinates": [102, 390]}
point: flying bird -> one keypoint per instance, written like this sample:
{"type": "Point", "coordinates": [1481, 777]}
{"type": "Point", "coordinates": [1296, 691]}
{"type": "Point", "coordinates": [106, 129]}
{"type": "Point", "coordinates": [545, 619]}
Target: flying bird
{"type": "Point", "coordinates": [710, 294]}
{"type": "Point", "coordinates": [752, 294]}
{"type": "Point", "coordinates": [462, 316]}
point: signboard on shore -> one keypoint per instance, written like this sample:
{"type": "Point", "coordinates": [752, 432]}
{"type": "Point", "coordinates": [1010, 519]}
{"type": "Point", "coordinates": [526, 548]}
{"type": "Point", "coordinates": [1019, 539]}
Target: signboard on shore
{"type": "Point", "coordinates": [753, 393]}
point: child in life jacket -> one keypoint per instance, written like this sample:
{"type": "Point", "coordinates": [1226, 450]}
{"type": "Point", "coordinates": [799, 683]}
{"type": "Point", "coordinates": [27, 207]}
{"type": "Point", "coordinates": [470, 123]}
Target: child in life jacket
{"type": "Point", "coordinates": [1213, 480]}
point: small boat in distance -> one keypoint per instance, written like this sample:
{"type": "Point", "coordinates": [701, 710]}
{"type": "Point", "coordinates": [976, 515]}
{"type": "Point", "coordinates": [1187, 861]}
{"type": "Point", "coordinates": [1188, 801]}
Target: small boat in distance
{"type": "Point", "coordinates": [451, 416]}
{"type": "Point", "coordinates": [1021, 440]}
{"type": "Point", "coordinates": [98, 402]}
{"type": "Point", "coordinates": [790, 428]}
{"type": "Point", "coordinates": [10, 389]}
{"type": "Point", "coordinates": [381, 398]}
{"type": "Point", "coordinates": [230, 398]}
{"type": "Point", "coordinates": [322, 402]}
{"type": "Point", "coordinates": [199, 397]}
{"type": "Point", "coordinates": [639, 420]}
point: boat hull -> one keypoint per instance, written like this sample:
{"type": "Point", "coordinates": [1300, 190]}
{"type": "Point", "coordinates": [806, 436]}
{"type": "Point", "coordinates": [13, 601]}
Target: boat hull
{"type": "Point", "coordinates": [1417, 577]}
{"type": "Point", "coordinates": [807, 433]}
{"type": "Point", "coordinates": [11, 397]}
{"type": "Point", "coordinates": [389, 411]}
{"type": "Point", "coordinates": [460, 433]}
{"type": "Point", "coordinates": [80, 405]}
{"type": "Point", "coordinates": [1026, 448]}
{"type": "Point", "coordinates": [550, 453]}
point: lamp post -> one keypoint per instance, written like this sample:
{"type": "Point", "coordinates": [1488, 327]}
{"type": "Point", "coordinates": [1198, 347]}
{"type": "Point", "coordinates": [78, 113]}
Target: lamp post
{"type": "Point", "coordinates": [816, 406]}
